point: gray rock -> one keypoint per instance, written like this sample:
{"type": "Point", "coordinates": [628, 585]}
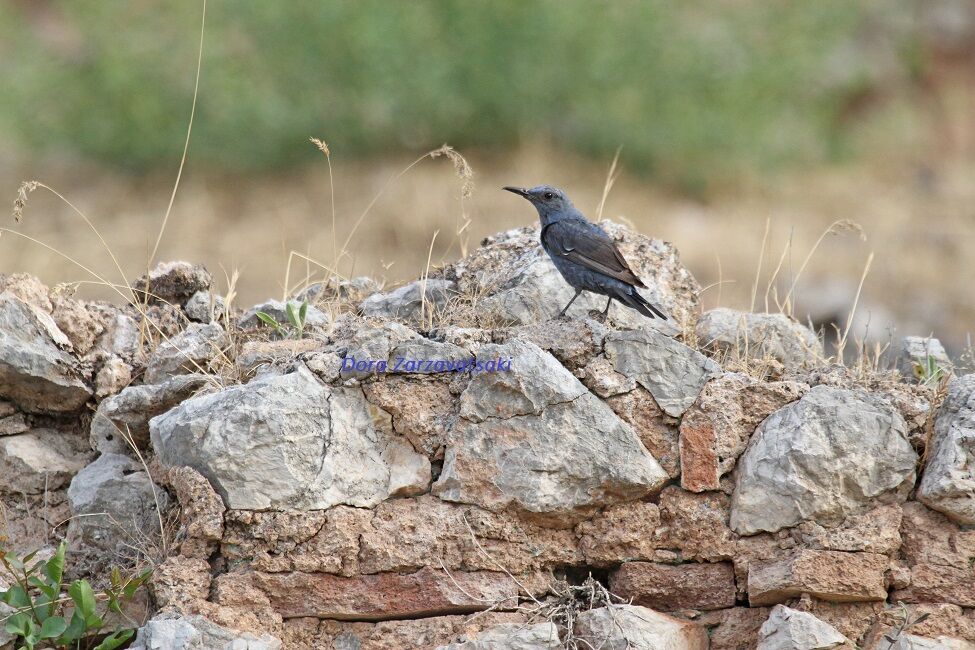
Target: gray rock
{"type": "Point", "coordinates": [39, 460]}
{"type": "Point", "coordinates": [790, 629]}
{"type": "Point", "coordinates": [536, 439]}
{"type": "Point", "coordinates": [423, 350]}
{"type": "Point", "coordinates": [536, 380]}
{"type": "Point", "coordinates": [948, 484]}
{"type": "Point", "coordinates": [923, 359]}
{"type": "Point", "coordinates": [390, 342]}
{"type": "Point", "coordinates": [404, 303]}
{"type": "Point", "coordinates": [283, 441]}
{"type": "Point", "coordinates": [672, 372]}
{"type": "Point", "coordinates": [314, 317]}
{"type": "Point", "coordinates": [821, 458]}
{"type": "Point", "coordinates": [13, 424]}
{"type": "Point", "coordinates": [190, 351]}
{"type": "Point", "coordinates": [625, 627]}
{"type": "Point", "coordinates": [115, 505]}
{"type": "Point", "coordinates": [174, 282]}
{"type": "Point", "coordinates": [354, 290]}
{"type": "Point", "coordinates": [204, 306]}
{"type": "Point", "coordinates": [129, 412]}
{"type": "Point", "coordinates": [112, 377]}
{"type": "Point", "coordinates": [517, 283]}
{"type": "Point", "coordinates": [176, 632]}
{"type": "Point", "coordinates": [904, 641]}
{"type": "Point", "coordinates": [756, 336]}
{"type": "Point", "coordinates": [122, 338]}
{"type": "Point", "coordinates": [35, 370]}
{"type": "Point", "coordinates": [540, 636]}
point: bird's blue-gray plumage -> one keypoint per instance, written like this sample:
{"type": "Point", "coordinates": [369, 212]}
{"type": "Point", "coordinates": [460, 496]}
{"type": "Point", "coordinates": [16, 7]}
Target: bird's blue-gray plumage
{"type": "Point", "coordinates": [583, 253]}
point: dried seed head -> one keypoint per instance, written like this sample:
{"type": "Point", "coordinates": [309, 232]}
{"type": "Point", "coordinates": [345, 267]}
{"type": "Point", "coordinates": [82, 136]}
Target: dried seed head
{"type": "Point", "coordinates": [320, 145]}
{"type": "Point", "coordinates": [461, 166]}
{"type": "Point", "coordinates": [21, 201]}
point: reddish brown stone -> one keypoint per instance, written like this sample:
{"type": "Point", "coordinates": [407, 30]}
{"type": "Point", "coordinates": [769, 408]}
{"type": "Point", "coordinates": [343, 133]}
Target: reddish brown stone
{"type": "Point", "coordinates": [657, 431]}
{"type": "Point", "coordinates": [386, 596]}
{"type": "Point", "coordinates": [735, 628]}
{"type": "Point", "coordinates": [674, 587]}
{"type": "Point", "coordinates": [715, 429]}
{"type": "Point", "coordinates": [933, 583]}
{"type": "Point", "coordinates": [828, 575]}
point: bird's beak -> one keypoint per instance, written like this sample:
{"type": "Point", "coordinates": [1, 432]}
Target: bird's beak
{"type": "Point", "coordinates": [518, 190]}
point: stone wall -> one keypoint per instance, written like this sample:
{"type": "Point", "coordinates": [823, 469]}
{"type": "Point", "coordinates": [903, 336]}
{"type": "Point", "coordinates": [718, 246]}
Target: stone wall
{"type": "Point", "coordinates": [714, 472]}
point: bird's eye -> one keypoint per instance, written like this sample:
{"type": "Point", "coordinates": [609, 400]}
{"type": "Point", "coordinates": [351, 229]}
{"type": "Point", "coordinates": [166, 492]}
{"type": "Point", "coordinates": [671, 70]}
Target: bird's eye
{"type": "Point", "coordinates": [548, 196]}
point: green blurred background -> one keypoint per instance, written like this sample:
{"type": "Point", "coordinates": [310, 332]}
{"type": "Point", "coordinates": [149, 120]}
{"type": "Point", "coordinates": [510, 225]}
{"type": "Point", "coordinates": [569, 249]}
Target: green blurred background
{"type": "Point", "coordinates": [728, 113]}
{"type": "Point", "coordinates": [692, 89]}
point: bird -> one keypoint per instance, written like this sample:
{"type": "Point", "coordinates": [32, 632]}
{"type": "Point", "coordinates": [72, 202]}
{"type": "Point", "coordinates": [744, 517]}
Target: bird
{"type": "Point", "coordinates": [586, 257]}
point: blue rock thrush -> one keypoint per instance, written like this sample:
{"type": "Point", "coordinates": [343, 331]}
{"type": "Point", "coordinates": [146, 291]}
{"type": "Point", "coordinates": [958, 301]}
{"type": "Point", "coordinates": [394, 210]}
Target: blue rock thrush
{"type": "Point", "coordinates": [583, 253]}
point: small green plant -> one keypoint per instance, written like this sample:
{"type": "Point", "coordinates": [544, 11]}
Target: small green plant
{"type": "Point", "coordinates": [296, 321]}
{"type": "Point", "coordinates": [929, 372]}
{"type": "Point", "coordinates": [40, 617]}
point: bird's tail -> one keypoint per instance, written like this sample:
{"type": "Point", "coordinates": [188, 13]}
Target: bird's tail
{"type": "Point", "coordinates": [635, 301]}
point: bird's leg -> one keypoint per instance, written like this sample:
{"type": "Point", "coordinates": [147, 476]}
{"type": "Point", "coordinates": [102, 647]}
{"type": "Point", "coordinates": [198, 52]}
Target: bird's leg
{"type": "Point", "coordinates": [562, 313]}
{"type": "Point", "coordinates": [608, 303]}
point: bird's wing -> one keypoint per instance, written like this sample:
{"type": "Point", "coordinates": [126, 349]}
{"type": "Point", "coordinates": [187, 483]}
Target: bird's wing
{"type": "Point", "coordinates": [588, 245]}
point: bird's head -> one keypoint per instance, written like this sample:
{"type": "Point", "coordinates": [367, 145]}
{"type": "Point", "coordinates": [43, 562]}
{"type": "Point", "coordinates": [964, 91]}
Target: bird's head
{"type": "Point", "coordinates": [551, 202]}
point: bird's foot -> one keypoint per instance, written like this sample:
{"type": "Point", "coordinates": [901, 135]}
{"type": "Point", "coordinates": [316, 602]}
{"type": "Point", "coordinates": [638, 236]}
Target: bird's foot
{"type": "Point", "coordinates": [598, 316]}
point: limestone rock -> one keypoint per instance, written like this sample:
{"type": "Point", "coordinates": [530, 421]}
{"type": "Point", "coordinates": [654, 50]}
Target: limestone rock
{"type": "Point", "coordinates": [675, 587]}
{"type": "Point", "coordinates": [285, 441]}
{"type": "Point", "coordinates": [204, 307]}
{"type": "Point", "coordinates": [715, 430]}
{"type": "Point", "coordinates": [35, 370]}
{"type": "Point", "coordinates": [404, 303]}
{"type": "Point", "coordinates": [13, 424]}
{"type": "Point", "coordinates": [759, 335]}
{"type": "Point", "coordinates": [948, 484]}
{"type": "Point", "coordinates": [39, 460]}
{"type": "Point", "coordinates": [536, 381]}
{"type": "Point", "coordinates": [173, 282]}
{"type": "Point", "coordinates": [622, 627]}
{"type": "Point", "coordinates": [129, 412]}
{"type": "Point", "coordinates": [601, 378]}
{"type": "Point", "coordinates": [906, 641]}
{"type": "Point", "coordinates": [828, 575]}
{"type": "Point", "coordinates": [573, 342]}
{"type": "Point", "coordinates": [672, 372]}
{"type": "Point", "coordinates": [176, 632]}
{"type": "Point", "coordinates": [256, 356]}
{"type": "Point", "coordinates": [559, 459]}
{"type": "Point", "coordinates": [821, 458]}
{"type": "Point", "coordinates": [384, 596]}
{"type": "Point", "coordinates": [190, 351]}
{"type": "Point", "coordinates": [115, 504]}
{"type": "Point", "coordinates": [27, 288]}
{"type": "Point", "coordinates": [519, 284]}
{"type": "Point", "coordinates": [112, 377]}
{"type": "Point", "coordinates": [923, 359]}
{"type": "Point", "coordinates": [789, 629]}
{"type": "Point", "coordinates": [79, 323]}
{"type": "Point", "coordinates": [540, 636]}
